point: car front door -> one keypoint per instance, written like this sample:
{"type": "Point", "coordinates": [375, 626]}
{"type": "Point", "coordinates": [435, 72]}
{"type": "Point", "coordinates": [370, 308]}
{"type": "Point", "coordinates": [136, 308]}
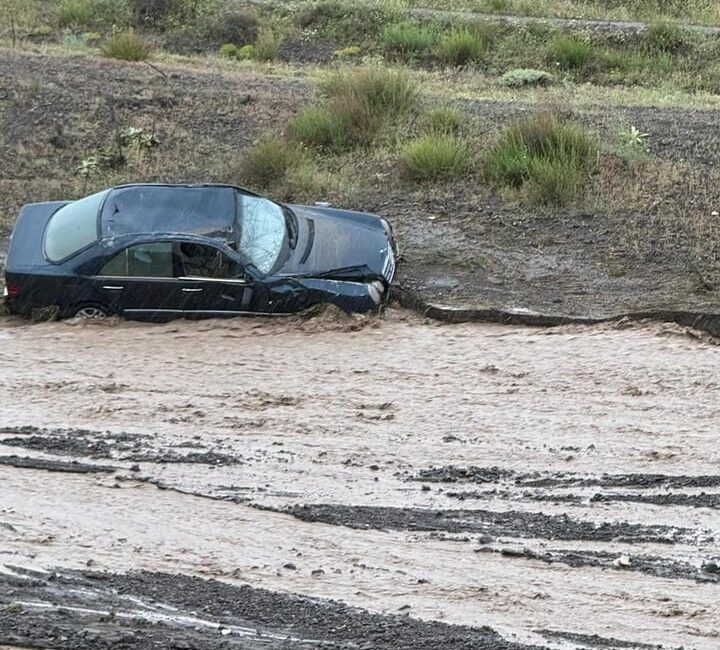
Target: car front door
{"type": "Point", "coordinates": [216, 284]}
{"type": "Point", "coordinates": [140, 282]}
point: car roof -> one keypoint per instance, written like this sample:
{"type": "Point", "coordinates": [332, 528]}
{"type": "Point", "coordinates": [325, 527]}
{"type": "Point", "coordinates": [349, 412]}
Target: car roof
{"type": "Point", "coordinates": [208, 209]}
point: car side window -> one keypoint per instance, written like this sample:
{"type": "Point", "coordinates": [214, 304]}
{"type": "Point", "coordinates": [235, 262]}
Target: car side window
{"type": "Point", "coordinates": [200, 261]}
{"type": "Point", "coordinates": [151, 260]}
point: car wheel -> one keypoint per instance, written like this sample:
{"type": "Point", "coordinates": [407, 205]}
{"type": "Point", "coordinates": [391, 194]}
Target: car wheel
{"type": "Point", "coordinates": [91, 311]}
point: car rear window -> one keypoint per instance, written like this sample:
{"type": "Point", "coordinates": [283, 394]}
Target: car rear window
{"type": "Point", "coordinates": [73, 227]}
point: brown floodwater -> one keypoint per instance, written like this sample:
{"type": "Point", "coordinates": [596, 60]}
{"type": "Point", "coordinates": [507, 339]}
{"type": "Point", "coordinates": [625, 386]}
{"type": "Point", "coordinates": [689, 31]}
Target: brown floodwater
{"type": "Point", "coordinates": [213, 430]}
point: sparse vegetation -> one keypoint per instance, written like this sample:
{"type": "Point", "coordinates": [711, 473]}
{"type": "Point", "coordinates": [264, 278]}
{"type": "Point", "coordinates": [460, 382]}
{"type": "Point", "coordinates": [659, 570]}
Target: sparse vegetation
{"type": "Point", "coordinates": [346, 21]}
{"type": "Point", "coordinates": [267, 45]}
{"type": "Point", "coordinates": [526, 77]}
{"type": "Point", "coordinates": [433, 157]}
{"type": "Point", "coordinates": [551, 158]}
{"type": "Point", "coordinates": [128, 46]}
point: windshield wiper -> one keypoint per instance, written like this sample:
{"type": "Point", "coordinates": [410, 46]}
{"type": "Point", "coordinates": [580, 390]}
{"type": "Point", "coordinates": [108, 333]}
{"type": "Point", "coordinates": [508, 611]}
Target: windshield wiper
{"type": "Point", "coordinates": [292, 225]}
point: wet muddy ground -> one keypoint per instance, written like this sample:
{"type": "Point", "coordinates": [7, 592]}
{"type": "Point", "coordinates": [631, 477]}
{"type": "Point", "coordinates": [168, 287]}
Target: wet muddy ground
{"type": "Point", "coordinates": [359, 482]}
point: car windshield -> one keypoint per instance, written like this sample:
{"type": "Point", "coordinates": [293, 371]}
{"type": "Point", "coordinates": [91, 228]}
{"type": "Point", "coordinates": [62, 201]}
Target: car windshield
{"type": "Point", "coordinates": [73, 227]}
{"type": "Point", "coordinates": [262, 231]}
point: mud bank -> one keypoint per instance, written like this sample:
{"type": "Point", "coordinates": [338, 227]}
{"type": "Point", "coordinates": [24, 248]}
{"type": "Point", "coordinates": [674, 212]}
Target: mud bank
{"type": "Point", "coordinates": [70, 609]}
{"type": "Point", "coordinates": [486, 523]}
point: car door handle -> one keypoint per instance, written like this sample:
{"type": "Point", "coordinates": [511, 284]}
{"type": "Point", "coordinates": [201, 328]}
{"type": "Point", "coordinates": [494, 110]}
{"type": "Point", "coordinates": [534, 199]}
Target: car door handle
{"type": "Point", "coordinates": [186, 290]}
{"type": "Point", "coordinates": [111, 287]}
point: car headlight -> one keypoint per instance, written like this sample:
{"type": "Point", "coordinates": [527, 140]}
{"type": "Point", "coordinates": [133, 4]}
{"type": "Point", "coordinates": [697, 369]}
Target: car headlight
{"type": "Point", "coordinates": [375, 291]}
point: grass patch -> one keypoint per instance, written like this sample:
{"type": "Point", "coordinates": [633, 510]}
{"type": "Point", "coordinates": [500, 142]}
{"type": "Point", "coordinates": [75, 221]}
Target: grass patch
{"type": "Point", "coordinates": [444, 120]}
{"type": "Point", "coordinates": [550, 158]}
{"type": "Point", "coordinates": [358, 103]}
{"type": "Point", "coordinates": [75, 13]}
{"type": "Point", "coordinates": [321, 127]}
{"type": "Point", "coordinates": [461, 46]}
{"type": "Point", "coordinates": [267, 45]}
{"type": "Point", "coordinates": [408, 39]}
{"type": "Point", "coordinates": [270, 160]}
{"type": "Point", "coordinates": [385, 92]}
{"type": "Point", "coordinates": [570, 52]}
{"type": "Point", "coordinates": [128, 46]}
{"type": "Point", "coordinates": [434, 157]}
{"type": "Point", "coordinates": [664, 36]}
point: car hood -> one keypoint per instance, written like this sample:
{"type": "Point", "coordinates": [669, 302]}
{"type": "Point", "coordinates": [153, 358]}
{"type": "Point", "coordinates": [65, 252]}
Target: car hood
{"type": "Point", "coordinates": [340, 244]}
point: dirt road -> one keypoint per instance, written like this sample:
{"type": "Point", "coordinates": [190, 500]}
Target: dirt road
{"type": "Point", "coordinates": [212, 485]}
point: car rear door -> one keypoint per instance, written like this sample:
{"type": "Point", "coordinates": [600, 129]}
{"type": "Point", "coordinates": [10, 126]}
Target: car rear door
{"type": "Point", "coordinates": [216, 284]}
{"type": "Point", "coordinates": [141, 282]}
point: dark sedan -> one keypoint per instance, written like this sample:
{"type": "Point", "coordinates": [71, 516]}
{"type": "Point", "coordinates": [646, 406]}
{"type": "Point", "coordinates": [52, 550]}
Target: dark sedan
{"type": "Point", "coordinates": [166, 251]}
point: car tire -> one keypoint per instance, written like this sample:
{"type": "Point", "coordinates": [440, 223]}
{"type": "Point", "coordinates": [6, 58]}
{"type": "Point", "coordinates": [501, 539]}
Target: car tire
{"type": "Point", "coordinates": [90, 311]}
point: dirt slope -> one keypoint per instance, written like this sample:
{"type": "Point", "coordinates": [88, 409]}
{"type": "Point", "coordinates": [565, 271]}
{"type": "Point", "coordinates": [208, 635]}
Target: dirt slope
{"type": "Point", "coordinates": [460, 245]}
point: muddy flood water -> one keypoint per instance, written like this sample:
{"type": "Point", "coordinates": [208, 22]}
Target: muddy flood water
{"type": "Point", "coordinates": [336, 482]}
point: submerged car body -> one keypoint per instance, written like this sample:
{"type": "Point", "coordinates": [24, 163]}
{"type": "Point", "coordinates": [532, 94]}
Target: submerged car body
{"type": "Point", "coordinates": [158, 252]}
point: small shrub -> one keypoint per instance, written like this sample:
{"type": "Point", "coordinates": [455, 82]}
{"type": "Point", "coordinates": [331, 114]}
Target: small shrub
{"type": "Point", "coordinates": [444, 120]}
{"type": "Point", "coordinates": [408, 39]}
{"type": "Point", "coordinates": [245, 52]}
{"type": "Point", "coordinates": [319, 126]}
{"type": "Point", "coordinates": [233, 26]}
{"type": "Point", "coordinates": [526, 77]}
{"type": "Point", "coordinates": [570, 52]}
{"type": "Point", "coordinates": [267, 45]}
{"type": "Point", "coordinates": [75, 13]}
{"type": "Point", "coordinates": [347, 52]}
{"type": "Point", "coordinates": [270, 160]}
{"type": "Point", "coordinates": [461, 46]}
{"type": "Point", "coordinates": [127, 46]}
{"type": "Point", "coordinates": [435, 156]}
{"type": "Point", "coordinates": [385, 92]}
{"type": "Point", "coordinates": [549, 155]}
{"type": "Point", "coordinates": [666, 37]}
{"type": "Point", "coordinates": [229, 51]}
